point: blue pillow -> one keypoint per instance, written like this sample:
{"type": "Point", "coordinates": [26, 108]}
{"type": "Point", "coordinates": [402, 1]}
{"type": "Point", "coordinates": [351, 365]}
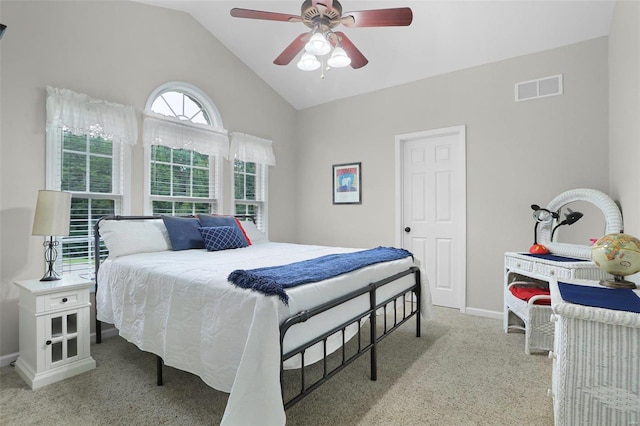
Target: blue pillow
{"type": "Point", "coordinates": [210, 220]}
{"type": "Point", "coordinates": [222, 237]}
{"type": "Point", "coordinates": [183, 232]}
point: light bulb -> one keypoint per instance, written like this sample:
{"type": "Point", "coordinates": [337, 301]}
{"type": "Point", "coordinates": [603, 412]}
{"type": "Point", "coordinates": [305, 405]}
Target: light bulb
{"type": "Point", "coordinates": [308, 62]}
{"type": "Point", "coordinates": [317, 45]}
{"type": "Point", "coordinates": [339, 58]}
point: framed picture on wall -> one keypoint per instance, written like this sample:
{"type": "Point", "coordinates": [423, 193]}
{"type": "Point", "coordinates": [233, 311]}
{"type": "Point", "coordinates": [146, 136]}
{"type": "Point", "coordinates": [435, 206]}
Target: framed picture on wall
{"type": "Point", "coordinates": [347, 183]}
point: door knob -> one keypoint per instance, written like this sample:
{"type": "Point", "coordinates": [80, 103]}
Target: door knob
{"type": "Point", "coordinates": [407, 229]}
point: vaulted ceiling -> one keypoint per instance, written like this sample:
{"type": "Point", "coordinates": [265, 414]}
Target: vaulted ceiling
{"type": "Point", "coordinates": [444, 36]}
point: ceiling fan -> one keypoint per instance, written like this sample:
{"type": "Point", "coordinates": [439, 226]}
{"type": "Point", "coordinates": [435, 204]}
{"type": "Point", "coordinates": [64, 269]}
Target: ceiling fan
{"type": "Point", "coordinates": [322, 16]}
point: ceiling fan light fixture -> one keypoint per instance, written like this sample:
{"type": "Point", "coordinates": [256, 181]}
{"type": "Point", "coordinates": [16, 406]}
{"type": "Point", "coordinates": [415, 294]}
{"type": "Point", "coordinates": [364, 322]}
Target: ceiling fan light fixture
{"type": "Point", "coordinates": [308, 62]}
{"type": "Point", "coordinates": [318, 44]}
{"type": "Point", "coordinates": [339, 58]}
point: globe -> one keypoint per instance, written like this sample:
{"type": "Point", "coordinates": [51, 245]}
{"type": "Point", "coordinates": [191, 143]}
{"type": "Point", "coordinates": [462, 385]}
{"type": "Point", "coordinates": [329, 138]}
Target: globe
{"type": "Point", "coordinates": [618, 255]}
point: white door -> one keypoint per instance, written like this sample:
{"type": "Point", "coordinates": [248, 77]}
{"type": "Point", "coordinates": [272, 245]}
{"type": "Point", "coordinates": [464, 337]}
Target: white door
{"type": "Point", "coordinates": [432, 210]}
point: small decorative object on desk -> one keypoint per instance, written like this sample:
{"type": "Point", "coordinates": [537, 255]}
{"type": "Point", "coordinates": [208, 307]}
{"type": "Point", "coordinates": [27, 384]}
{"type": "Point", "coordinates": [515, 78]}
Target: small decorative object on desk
{"type": "Point", "coordinates": [618, 255]}
{"type": "Point", "coordinates": [541, 216]}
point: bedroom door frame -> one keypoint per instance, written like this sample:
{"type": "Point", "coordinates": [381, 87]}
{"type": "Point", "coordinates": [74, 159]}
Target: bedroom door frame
{"type": "Point", "coordinates": [458, 134]}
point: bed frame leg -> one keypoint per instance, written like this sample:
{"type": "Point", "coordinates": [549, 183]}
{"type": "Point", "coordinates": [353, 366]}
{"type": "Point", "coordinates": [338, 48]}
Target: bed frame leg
{"type": "Point", "coordinates": [374, 346]}
{"type": "Point", "coordinates": [98, 331]}
{"type": "Point", "coordinates": [418, 305]}
{"type": "Point", "coordinates": [159, 364]}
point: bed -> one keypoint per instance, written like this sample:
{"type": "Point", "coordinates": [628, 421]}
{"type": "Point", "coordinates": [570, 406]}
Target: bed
{"type": "Point", "coordinates": [179, 305]}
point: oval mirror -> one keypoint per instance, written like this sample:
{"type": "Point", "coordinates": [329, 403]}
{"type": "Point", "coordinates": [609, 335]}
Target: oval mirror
{"type": "Point", "coordinates": [567, 204]}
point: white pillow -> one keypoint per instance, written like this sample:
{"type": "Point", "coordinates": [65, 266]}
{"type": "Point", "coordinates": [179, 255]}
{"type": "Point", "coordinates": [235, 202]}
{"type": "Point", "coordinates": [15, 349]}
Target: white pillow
{"type": "Point", "coordinates": [123, 237]}
{"type": "Point", "coordinates": [255, 235]}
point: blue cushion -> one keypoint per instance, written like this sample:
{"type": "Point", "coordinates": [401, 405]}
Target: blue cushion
{"type": "Point", "coordinates": [210, 220]}
{"type": "Point", "coordinates": [183, 232]}
{"type": "Point", "coordinates": [222, 237]}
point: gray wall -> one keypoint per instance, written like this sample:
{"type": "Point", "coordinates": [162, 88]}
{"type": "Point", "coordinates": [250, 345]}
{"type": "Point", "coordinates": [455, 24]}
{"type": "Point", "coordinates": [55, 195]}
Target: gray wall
{"type": "Point", "coordinates": [517, 154]}
{"type": "Point", "coordinates": [120, 52]}
{"type": "Point", "coordinates": [624, 105]}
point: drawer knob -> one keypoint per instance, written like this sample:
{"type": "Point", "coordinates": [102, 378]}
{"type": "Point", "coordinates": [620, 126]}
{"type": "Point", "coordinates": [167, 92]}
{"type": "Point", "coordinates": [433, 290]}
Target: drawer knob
{"type": "Point", "coordinates": [48, 342]}
{"type": "Point", "coordinates": [64, 300]}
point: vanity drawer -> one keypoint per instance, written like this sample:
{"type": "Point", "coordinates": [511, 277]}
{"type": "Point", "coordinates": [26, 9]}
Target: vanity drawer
{"type": "Point", "coordinates": [516, 263]}
{"type": "Point", "coordinates": [552, 271]}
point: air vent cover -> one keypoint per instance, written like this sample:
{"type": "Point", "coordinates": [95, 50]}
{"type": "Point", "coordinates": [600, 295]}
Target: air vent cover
{"type": "Point", "coordinates": [539, 88]}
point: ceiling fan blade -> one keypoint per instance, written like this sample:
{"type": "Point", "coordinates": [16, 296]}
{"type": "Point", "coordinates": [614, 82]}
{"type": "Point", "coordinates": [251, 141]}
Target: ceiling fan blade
{"type": "Point", "coordinates": [268, 16]}
{"type": "Point", "coordinates": [357, 58]}
{"type": "Point", "coordinates": [292, 50]}
{"type": "Point", "coordinates": [398, 17]}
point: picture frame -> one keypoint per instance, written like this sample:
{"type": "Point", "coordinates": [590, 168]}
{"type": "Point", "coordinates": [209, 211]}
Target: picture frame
{"type": "Point", "coordinates": [347, 183]}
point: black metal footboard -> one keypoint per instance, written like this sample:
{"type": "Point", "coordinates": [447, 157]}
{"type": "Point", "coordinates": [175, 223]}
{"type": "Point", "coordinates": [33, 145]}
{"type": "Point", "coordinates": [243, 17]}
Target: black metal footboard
{"type": "Point", "coordinates": [374, 306]}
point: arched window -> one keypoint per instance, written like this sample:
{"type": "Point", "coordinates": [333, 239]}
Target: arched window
{"type": "Point", "coordinates": [185, 144]}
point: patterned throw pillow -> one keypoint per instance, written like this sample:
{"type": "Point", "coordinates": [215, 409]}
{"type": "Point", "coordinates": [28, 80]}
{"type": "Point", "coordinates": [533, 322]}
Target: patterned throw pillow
{"type": "Point", "coordinates": [207, 220]}
{"type": "Point", "coordinates": [222, 238]}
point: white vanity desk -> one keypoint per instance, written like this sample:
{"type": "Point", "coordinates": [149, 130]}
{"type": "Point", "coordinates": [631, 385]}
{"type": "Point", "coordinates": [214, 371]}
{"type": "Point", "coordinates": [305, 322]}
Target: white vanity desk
{"type": "Point", "coordinates": [596, 362]}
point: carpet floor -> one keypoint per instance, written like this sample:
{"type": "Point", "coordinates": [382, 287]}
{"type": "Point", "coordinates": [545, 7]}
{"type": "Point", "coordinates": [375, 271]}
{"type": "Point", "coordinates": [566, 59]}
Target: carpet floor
{"type": "Point", "coordinates": [464, 370]}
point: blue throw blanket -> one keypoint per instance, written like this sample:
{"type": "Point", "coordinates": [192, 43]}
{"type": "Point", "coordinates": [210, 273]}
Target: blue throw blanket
{"type": "Point", "coordinates": [273, 280]}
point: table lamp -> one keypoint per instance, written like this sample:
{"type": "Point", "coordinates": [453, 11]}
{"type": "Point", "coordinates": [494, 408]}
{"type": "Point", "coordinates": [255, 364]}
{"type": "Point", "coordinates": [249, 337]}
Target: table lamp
{"type": "Point", "coordinates": [52, 216]}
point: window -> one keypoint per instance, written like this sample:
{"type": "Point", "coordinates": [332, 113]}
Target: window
{"type": "Point", "coordinates": [249, 181]}
{"type": "Point", "coordinates": [90, 160]}
{"type": "Point", "coordinates": [185, 142]}
{"type": "Point", "coordinates": [91, 172]}
{"type": "Point", "coordinates": [252, 156]}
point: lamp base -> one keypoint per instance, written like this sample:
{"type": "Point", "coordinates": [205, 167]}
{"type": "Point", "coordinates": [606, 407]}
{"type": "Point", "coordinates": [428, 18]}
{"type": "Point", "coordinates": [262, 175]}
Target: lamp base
{"type": "Point", "coordinates": [50, 255]}
{"type": "Point", "coordinates": [618, 282]}
{"type": "Point", "coordinates": [50, 278]}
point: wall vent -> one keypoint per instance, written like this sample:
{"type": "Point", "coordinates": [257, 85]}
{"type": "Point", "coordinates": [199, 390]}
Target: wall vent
{"type": "Point", "coordinates": [539, 88]}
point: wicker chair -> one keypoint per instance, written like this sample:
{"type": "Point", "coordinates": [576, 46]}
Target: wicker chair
{"type": "Point", "coordinates": [532, 318]}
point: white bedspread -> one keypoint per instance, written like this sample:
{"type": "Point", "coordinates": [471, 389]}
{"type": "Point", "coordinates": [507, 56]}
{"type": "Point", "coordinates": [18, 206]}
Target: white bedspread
{"type": "Point", "coordinates": [180, 306]}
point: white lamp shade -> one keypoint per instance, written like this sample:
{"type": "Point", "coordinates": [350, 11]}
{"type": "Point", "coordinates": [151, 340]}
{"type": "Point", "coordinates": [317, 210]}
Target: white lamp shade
{"type": "Point", "coordinates": [308, 62]}
{"type": "Point", "coordinates": [53, 212]}
{"type": "Point", "coordinates": [317, 45]}
{"type": "Point", "coordinates": [339, 58]}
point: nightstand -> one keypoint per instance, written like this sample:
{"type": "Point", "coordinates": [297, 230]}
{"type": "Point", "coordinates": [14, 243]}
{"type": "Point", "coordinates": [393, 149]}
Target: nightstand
{"type": "Point", "coordinates": [54, 330]}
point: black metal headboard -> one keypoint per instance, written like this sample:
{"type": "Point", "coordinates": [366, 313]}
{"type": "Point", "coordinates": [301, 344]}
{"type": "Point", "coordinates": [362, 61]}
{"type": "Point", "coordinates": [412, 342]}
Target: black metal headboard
{"type": "Point", "coordinates": [96, 251]}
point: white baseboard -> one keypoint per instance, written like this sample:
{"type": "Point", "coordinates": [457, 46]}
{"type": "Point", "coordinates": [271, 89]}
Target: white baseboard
{"type": "Point", "coordinates": [8, 359]}
{"type": "Point", "coordinates": [484, 313]}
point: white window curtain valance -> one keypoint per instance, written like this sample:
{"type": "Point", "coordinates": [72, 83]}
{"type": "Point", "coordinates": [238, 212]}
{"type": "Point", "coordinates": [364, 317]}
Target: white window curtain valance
{"type": "Point", "coordinates": [251, 149]}
{"type": "Point", "coordinates": [81, 115]}
{"type": "Point", "coordinates": [177, 134]}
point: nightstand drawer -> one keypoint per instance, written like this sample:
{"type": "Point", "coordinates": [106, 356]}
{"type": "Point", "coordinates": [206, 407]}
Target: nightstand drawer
{"type": "Point", "coordinates": [62, 300]}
